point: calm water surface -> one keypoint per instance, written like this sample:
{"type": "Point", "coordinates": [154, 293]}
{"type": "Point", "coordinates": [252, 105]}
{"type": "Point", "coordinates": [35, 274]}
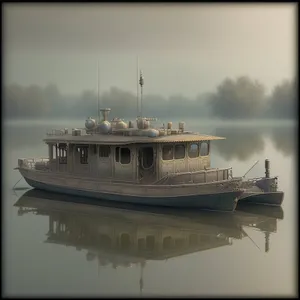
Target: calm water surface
{"type": "Point", "coordinates": [53, 247]}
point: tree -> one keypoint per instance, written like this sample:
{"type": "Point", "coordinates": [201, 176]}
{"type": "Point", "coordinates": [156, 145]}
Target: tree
{"type": "Point", "coordinates": [56, 106]}
{"type": "Point", "coordinates": [243, 98]}
{"type": "Point", "coordinates": [282, 103]}
{"type": "Point", "coordinates": [34, 101]}
{"type": "Point", "coordinates": [12, 96]}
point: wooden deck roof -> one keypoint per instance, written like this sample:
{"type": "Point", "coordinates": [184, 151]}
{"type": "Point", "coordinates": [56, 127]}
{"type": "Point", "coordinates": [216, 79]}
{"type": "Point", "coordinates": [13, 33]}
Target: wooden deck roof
{"type": "Point", "coordinates": [112, 139]}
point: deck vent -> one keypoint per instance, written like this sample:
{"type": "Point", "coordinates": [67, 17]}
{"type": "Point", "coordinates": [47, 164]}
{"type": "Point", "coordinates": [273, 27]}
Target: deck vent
{"type": "Point", "coordinates": [130, 125]}
{"type": "Point", "coordinates": [181, 126]}
{"type": "Point", "coordinates": [76, 132]}
{"type": "Point", "coordinates": [105, 112]}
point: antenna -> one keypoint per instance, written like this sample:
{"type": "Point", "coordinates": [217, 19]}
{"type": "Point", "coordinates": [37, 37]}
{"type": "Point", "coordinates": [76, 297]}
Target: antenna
{"type": "Point", "coordinates": [251, 168]}
{"type": "Point", "coordinates": [141, 84]}
{"type": "Point", "coordinates": [98, 94]}
{"type": "Point", "coordinates": [137, 86]}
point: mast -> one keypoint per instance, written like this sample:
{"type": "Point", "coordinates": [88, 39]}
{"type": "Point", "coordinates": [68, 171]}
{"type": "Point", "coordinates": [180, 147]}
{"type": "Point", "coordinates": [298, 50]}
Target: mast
{"type": "Point", "coordinates": [98, 95]}
{"type": "Point", "coordinates": [141, 84]}
{"type": "Point", "coordinates": [137, 86]}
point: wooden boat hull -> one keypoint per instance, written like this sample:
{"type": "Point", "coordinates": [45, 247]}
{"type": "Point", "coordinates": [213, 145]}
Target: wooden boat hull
{"type": "Point", "coordinates": [265, 198]}
{"type": "Point", "coordinates": [225, 201]}
{"type": "Point", "coordinates": [262, 191]}
{"type": "Point", "coordinates": [171, 196]}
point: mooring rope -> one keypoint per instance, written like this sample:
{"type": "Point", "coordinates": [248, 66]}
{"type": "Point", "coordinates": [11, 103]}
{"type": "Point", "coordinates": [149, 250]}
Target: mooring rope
{"type": "Point", "coordinates": [21, 188]}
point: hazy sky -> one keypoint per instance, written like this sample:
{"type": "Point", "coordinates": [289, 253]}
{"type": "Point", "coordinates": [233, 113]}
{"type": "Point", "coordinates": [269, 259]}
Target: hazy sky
{"type": "Point", "coordinates": [183, 49]}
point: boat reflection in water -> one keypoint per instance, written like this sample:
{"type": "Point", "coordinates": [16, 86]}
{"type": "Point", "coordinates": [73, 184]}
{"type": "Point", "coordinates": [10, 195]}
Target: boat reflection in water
{"type": "Point", "coordinates": [126, 234]}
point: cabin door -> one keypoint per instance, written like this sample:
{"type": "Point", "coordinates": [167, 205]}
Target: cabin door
{"type": "Point", "coordinates": [147, 165]}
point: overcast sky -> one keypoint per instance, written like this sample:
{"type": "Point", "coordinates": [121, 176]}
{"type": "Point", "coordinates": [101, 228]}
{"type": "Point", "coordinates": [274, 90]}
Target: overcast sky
{"type": "Point", "coordinates": [183, 49]}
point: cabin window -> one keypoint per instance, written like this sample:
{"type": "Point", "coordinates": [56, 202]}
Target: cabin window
{"type": "Point", "coordinates": [94, 149]}
{"type": "Point", "coordinates": [179, 151]}
{"type": "Point", "coordinates": [167, 152]}
{"type": "Point", "coordinates": [83, 151]}
{"type": "Point", "coordinates": [147, 157]}
{"type": "Point", "coordinates": [117, 154]}
{"type": "Point", "coordinates": [204, 148]}
{"type": "Point", "coordinates": [125, 156]}
{"type": "Point", "coordinates": [104, 151]}
{"type": "Point", "coordinates": [193, 150]}
{"type": "Point", "coordinates": [62, 153]}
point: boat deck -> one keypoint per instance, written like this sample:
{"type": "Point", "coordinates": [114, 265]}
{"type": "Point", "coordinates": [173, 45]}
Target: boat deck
{"type": "Point", "coordinates": [118, 139]}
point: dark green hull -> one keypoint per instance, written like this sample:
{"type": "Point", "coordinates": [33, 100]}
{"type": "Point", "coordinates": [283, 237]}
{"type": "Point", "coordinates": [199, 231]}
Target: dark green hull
{"type": "Point", "coordinates": [265, 198]}
{"type": "Point", "coordinates": [222, 201]}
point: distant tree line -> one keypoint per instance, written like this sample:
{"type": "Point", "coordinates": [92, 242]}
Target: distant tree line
{"type": "Point", "coordinates": [242, 98]}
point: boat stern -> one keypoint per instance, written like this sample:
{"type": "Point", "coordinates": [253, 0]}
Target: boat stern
{"type": "Point", "coordinates": [33, 164]}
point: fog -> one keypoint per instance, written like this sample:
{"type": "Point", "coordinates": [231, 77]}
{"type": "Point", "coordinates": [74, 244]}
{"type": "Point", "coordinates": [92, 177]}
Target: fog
{"type": "Point", "coordinates": [233, 99]}
{"type": "Point", "coordinates": [223, 69]}
{"type": "Point", "coordinates": [183, 49]}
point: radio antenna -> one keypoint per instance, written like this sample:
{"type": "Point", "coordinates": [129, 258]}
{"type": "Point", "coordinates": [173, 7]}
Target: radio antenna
{"type": "Point", "coordinates": [141, 84]}
{"type": "Point", "coordinates": [137, 85]}
{"type": "Point", "coordinates": [98, 94]}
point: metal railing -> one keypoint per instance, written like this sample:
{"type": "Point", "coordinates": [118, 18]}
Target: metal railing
{"type": "Point", "coordinates": [34, 163]}
{"type": "Point", "coordinates": [191, 175]}
{"type": "Point", "coordinates": [58, 132]}
{"type": "Point", "coordinates": [268, 183]}
{"type": "Point", "coordinates": [66, 131]}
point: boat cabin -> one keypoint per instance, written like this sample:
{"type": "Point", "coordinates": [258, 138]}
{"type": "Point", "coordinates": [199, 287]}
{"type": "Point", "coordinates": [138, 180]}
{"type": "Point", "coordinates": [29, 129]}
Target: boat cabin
{"type": "Point", "coordinates": [138, 155]}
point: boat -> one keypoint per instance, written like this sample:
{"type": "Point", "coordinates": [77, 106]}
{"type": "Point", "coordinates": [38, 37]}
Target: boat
{"type": "Point", "coordinates": [135, 163]}
{"type": "Point", "coordinates": [262, 190]}
{"type": "Point", "coordinates": [140, 164]}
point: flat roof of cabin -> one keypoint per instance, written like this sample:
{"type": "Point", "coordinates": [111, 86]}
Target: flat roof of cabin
{"type": "Point", "coordinates": [112, 139]}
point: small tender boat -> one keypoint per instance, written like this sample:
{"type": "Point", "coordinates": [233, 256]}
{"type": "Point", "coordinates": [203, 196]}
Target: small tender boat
{"type": "Point", "coordinates": [263, 190]}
